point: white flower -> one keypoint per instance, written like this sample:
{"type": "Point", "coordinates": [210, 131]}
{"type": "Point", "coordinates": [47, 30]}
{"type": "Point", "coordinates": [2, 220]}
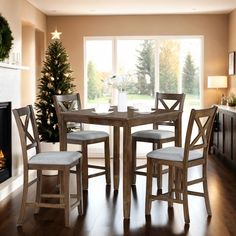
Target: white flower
{"type": "Point", "coordinates": [119, 81]}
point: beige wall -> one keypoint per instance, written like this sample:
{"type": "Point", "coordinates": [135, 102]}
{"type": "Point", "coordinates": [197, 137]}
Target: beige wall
{"type": "Point", "coordinates": [232, 47]}
{"type": "Point", "coordinates": [33, 25]}
{"type": "Point", "coordinates": [31, 15]}
{"type": "Point", "coordinates": [214, 28]}
{"type": "Point", "coordinates": [28, 58]}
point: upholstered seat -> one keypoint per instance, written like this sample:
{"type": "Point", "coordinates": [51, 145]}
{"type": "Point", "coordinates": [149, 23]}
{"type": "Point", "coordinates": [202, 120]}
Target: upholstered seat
{"type": "Point", "coordinates": [154, 134]}
{"type": "Point", "coordinates": [174, 154]}
{"type": "Point", "coordinates": [83, 137]}
{"type": "Point", "coordinates": [39, 161]}
{"type": "Point", "coordinates": [86, 135]}
{"type": "Point", "coordinates": [54, 158]}
{"type": "Point", "coordinates": [194, 153]}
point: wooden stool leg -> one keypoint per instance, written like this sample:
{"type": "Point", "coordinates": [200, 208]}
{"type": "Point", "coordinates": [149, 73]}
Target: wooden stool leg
{"type": "Point", "coordinates": [79, 187]}
{"type": "Point", "coordinates": [170, 186]}
{"type": "Point", "coordinates": [185, 198]}
{"type": "Point", "coordinates": [85, 166]}
{"type": "Point", "coordinates": [38, 190]}
{"type": "Point", "coordinates": [158, 145]}
{"type": "Point", "coordinates": [24, 199]}
{"type": "Point", "coordinates": [149, 186]}
{"type": "Point", "coordinates": [107, 161]}
{"type": "Point", "coordinates": [134, 153]}
{"type": "Point", "coordinates": [178, 182]}
{"type": "Point", "coordinates": [61, 185]}
{"type": "Point", "coordinates": [66, 180]}
{"type": "Point", "coordinates": [205, 189]}
{"type": "Point", "coordinates": [159, 177]}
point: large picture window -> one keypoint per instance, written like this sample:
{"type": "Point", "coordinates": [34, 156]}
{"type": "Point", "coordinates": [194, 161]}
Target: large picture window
{"type": "Point", "coordinates": [144, 65]}
{"type": "Point", "coordinates": [165, 64]}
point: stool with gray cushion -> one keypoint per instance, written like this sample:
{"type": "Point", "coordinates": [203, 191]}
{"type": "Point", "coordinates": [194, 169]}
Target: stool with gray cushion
{"type": "Point", "coordinates": [156, 136]}
{"type": "Point", "coordinates": [179, 160]}
{"type": "Point", "coordinates": [83, 137]}
{"type": "Point", "coordinates": [39, 161]}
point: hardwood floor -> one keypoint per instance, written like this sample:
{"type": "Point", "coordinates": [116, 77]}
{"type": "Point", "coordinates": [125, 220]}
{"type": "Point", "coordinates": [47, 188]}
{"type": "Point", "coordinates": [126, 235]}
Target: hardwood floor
{"type": "Point", "coordinates": [104, 215]}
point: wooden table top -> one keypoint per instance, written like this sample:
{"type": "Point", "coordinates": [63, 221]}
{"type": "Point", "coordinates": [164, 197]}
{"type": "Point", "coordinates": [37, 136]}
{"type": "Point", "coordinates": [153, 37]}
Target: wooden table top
{"type": "Point", "coordinates": [115, 118]}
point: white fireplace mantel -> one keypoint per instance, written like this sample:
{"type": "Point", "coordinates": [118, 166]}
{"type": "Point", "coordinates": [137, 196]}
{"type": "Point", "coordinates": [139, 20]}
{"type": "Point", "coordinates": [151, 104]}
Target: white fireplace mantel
{"type": "Point", "coordinates": [12, 66]}
{"type": "Point", "coordinates": [11, 90]}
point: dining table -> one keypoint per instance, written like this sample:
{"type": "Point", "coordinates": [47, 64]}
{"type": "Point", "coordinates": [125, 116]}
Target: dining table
{"type": "Point", "coordinates": [118, 120]}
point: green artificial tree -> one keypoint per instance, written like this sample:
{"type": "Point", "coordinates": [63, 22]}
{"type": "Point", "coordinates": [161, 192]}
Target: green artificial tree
{"type": "Point", "coordinates": [190, 76]}
{"type": "Point", "coordinates": [56, 79]}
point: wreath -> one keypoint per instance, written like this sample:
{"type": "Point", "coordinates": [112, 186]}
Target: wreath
{"type": "Point", "coordinates": [5, 39]}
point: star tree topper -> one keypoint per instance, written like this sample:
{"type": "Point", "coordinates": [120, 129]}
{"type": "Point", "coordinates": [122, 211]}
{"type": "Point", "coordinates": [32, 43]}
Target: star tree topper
{"type": "Point", "coordinates": [56, 34]}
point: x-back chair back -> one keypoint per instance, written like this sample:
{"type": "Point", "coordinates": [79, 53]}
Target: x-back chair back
{"type": "Point", "coordinates": [70, 102]}
{"type": "Point", "coordinates": [28, 131]}
{"type": "Point", "coordinates": [169, 101]}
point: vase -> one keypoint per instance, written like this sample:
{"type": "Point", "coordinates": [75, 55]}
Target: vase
{"type": "Point", "coordinates": [122, 102]}
{"type": "Point", "coordinates": [48, 147]}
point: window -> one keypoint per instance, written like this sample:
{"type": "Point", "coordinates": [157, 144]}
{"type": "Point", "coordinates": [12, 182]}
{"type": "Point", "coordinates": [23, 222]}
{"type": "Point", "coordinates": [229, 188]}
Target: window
{"type": "Point", "coordinates": [146, 64]}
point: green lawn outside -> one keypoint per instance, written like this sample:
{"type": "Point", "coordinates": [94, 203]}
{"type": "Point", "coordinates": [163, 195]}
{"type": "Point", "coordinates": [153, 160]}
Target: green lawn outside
{"type": "Point", "coordinates": [191, 101]}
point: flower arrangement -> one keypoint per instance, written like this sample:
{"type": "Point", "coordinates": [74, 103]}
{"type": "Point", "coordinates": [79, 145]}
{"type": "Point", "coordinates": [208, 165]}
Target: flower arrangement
{"type": "Point", "coordinates": [120, 82]}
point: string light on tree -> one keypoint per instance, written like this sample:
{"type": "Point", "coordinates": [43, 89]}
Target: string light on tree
{"type": "Point", "coordinates": [56, 34]}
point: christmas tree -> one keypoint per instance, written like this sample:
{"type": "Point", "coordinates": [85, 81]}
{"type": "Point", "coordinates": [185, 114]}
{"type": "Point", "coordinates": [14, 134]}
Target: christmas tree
{"type": "Point", "coordinates": [56, 79]}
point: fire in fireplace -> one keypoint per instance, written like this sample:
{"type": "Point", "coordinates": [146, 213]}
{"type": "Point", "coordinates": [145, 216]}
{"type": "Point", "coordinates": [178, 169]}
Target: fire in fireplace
{"type": "Point", "coordinates": [2, 160]}
{"type": "Point", "coordinates": [5, 141]}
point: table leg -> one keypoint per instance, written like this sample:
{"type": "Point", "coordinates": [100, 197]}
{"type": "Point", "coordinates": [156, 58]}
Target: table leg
{"type": "Point", "coordinates": [116, 157]}
{"type": "Point", "coordinates": [127, 158]}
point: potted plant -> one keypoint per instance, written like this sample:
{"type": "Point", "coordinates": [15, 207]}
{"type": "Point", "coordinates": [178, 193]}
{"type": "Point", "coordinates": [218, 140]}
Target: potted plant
{"type": "Point", "coordinates": [231, 100]}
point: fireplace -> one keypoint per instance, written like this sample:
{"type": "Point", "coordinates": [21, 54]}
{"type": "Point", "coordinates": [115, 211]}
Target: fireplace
{"type": "Point", "coordinates": [5, 141]}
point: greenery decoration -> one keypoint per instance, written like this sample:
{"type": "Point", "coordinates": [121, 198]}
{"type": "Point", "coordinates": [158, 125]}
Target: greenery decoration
{"type": "Point", "coordinates": [56, 79]}
{"type": "Point", "coordinates": [231, 100]}
{"type": "Point", "coordinates": [5, 39]}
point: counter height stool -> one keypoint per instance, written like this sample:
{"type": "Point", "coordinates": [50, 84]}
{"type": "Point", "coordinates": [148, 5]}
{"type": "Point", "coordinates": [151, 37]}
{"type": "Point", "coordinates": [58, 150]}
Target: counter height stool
{"type": "Point", "coordinates": [156, 136]}
{"type": "Point", "coordinates": [39, 161]}
{"type": "Point", "coordinates": [194, 153]}
{"type": "Point", "coordinates": [83, 137]}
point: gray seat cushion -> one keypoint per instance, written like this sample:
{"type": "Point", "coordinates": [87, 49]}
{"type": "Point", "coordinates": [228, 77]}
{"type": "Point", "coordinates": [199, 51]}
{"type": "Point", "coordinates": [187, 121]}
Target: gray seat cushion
{"type": "Point", "coordinates": [174, 154]}
{"type": "Point", "coordinates": [86, 135]}
{"type": "Point", "coordinates": [154, 134]}
{"type": "Point", "coordinates": [55, 158]}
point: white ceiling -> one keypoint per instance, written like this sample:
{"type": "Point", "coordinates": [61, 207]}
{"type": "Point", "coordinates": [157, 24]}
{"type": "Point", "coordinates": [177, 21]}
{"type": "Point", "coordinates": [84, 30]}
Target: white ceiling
{"type": "Point", "coordinates": [121, 7]}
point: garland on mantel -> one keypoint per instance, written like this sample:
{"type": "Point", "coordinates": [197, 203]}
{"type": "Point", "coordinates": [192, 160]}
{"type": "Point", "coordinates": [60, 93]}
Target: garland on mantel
{"type": "Point", "coordinates": [5, 39]}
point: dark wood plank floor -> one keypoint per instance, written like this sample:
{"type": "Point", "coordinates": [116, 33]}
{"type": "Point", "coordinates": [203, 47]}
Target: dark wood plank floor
{"type": "Point", "coordinates": [104, 216]}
